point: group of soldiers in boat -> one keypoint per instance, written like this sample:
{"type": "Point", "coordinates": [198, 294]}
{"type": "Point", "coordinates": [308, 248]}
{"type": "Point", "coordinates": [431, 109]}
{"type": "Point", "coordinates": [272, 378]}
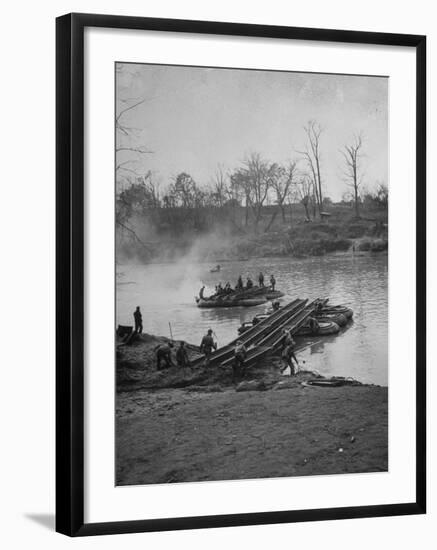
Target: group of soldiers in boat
{"type": "Point", "coordinates": [227, 289]}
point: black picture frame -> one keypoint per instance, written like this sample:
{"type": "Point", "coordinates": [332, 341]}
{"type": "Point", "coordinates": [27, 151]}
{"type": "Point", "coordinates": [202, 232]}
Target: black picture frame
{"type": "Point", "coordinates": [70, 273]}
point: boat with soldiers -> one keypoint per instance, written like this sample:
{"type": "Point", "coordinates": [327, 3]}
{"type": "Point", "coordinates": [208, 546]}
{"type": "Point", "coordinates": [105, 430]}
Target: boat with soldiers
{"type": "Point", "coordinates": [246, 297]}
{"type": "Point", "coordinates": [230, 301]}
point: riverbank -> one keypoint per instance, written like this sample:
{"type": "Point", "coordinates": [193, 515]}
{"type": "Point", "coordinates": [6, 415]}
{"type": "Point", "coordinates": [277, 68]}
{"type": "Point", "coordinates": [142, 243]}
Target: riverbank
{"type": "Point", "coordinates": [300, 238]}
{"type": "Point", "coordinates": [174, 426]}
{"type": "Point", "coordinates": [311, 239]}
{"type": "Point", "coordinates": [136, 369]}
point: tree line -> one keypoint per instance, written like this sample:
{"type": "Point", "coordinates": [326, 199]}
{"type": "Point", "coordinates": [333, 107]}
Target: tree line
{"type": "Point", "coordinates": [237, 197]}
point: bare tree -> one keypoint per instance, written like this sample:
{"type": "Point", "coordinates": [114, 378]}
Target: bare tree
{"type": "Point", "coordinates": [283, 179]}
{"type": "Point", "coordinates": [127, 149]}
{"type": "Point", "coordinates": [305, 189]}
{"type": "Point", "coordinates": [382, 194]}
{"type": "Point", "coordinates": [312, 156]}
{"type": "Point", "coordinates": [240, 185]}
{"type": "Point", "coordinates": [141, 198]}
{"type": "Point", "coordinates": [186, 192]}
{"type": "Point", "coordinates": [255, 180]}
{"type": "Point", "coordinates": [352, 154]}
{"type": "Point", "coordinates": [129, 146]}
{"type": "Point", "coordinates": [220, 188]}
{"type": "Point", "coordinates": [128, 153]}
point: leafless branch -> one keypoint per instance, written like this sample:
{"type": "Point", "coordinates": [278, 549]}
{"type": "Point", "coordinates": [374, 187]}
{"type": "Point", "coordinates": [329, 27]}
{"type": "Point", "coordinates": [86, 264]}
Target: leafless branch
{"type": "Point", "coordinates": [123, 111]}
{"type": "Point", "coordinates": [351, 155]}
{"type": "Point", "coordinates": [141, 150]}
{"type": "Point", "coordinates": [132, 232]}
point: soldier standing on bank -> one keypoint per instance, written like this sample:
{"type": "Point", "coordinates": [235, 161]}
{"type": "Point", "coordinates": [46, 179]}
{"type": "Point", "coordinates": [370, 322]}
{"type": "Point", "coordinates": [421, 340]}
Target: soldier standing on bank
{"type": "Point", "coordinates": [138, 320]}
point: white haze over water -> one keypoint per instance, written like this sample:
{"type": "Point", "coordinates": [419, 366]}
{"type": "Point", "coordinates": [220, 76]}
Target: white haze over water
{"type": "Point", "coordinates": [165, 293]}
{"type": "Point", "coordinates": [195, 119]}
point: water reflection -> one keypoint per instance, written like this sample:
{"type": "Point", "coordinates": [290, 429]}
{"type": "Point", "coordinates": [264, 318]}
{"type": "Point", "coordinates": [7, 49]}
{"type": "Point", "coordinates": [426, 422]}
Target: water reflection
{"type": "Point", "coordinates": [317, 347]}
{"type": "Point", "coordinates": [166, 293]}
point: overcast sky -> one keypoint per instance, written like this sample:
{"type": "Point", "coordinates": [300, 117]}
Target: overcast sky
{"type": "Point", "coordinates": [194, 119]}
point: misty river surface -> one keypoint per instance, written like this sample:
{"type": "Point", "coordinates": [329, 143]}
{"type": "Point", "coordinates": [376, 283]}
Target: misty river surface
{"type": "Point", "coordinates": [165, 293]}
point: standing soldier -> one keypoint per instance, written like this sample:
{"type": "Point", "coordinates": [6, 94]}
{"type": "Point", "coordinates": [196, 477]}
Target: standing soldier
{"type": "Point", "coordinates": [138, 320]}
{"type": "Point", "coordinates": [240, 354]}
{"type": "Point", "coordinates": [239, 283]}
{"type": "Point", "coordinates": [207, 345]}
{"type": "Point", "coordinates": [272, 282]}
{"type": "Point", "coordinates": [288, 354]}
{"type": "Point", "coordinates": [182, 355]}
{"type": "Point", "coordinates": [261, 279]}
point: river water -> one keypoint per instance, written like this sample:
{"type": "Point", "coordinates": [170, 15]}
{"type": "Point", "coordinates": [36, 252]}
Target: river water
{"type": "Point", "coordinates": [165, 293]}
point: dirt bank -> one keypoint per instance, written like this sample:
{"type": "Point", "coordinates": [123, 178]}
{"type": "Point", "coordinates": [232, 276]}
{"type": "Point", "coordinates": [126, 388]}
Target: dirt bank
{"type": "Point", "coordinates": [240, 239]}
{"type": "Point", "coordinates": [136, 370]}
{"type": "Point", "coordinates": [175, 435]}
{"type": "Point", "coordinates": [136, 365]}
{"type": "Point", "coordinates": [174, 426]}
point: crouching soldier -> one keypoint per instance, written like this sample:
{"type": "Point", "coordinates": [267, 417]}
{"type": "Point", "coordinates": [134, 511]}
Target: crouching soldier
{"type": "Point", "coordinates": [314, 325]}
{"type": "Point", "coordinates": [163, 354]}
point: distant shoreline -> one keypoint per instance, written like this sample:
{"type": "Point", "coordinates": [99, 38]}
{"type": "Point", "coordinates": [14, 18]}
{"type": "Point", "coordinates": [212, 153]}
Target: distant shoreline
{"type": "Point", "coordinates": [211, 262]}
{"type": "Point", "coordinates": [297, 238]}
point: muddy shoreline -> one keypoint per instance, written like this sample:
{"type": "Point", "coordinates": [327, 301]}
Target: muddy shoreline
{"type": "Point", "coordinates": [197, 424]}
{"type": "Point", "coordinates": [179, 436]}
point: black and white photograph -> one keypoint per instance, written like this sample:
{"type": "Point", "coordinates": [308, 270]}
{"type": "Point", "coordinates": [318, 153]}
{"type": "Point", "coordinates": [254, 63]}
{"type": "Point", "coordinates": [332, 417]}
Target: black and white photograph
{"type": "Point", "coordinates": [251, 273]}
{"type": "Point", "coordinates": [215, 281]}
